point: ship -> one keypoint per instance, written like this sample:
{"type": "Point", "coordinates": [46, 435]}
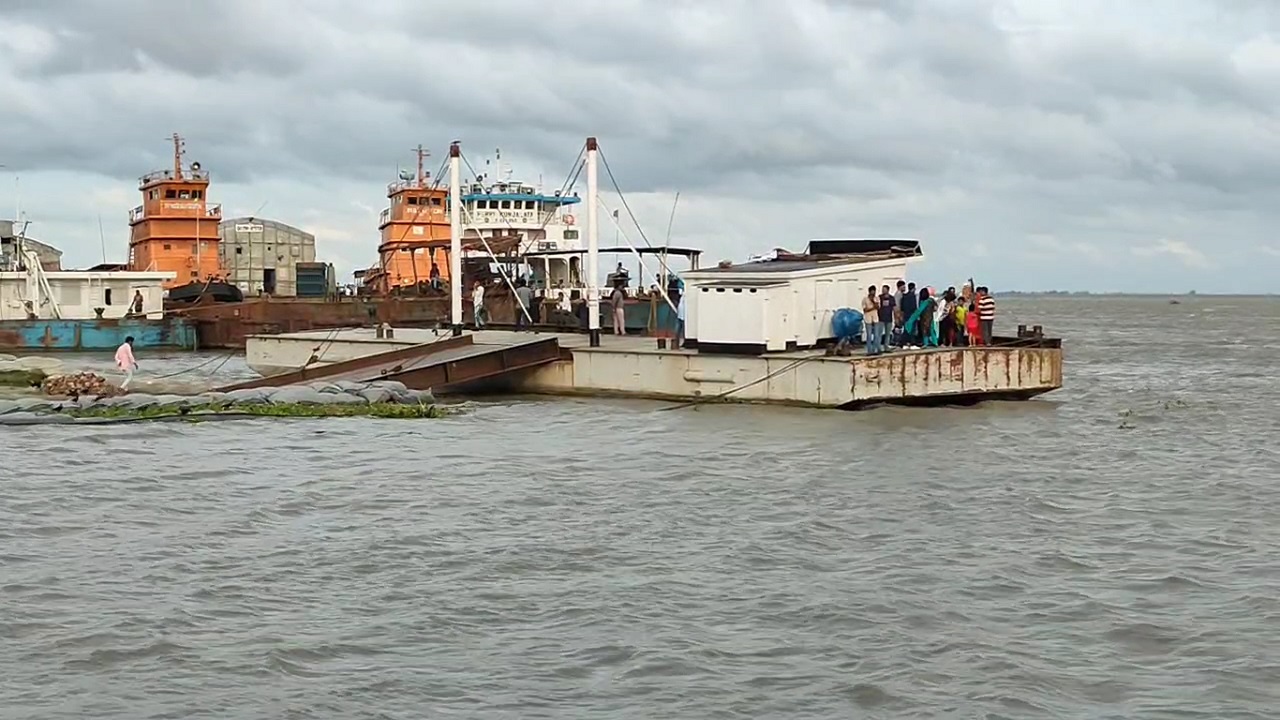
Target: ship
{"type": "Point", "coordinates": [43, 309]}
{"type": "Point", "coordinates": [511, 229]}
{"type": "Point", "coordinates": [175, 230]}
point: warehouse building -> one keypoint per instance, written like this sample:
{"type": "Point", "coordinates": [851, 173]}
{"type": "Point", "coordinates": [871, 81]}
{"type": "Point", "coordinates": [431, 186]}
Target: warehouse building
{"type": "Point", "coordinates": [50, 257]}
{"type": "Point", "coordinates": [261, 257]}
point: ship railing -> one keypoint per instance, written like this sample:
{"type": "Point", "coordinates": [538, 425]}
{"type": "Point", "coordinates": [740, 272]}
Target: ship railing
{"type": "Point", "coordinates": [169, 175]}
{"type": "Point", "coordinates": [399, 185]}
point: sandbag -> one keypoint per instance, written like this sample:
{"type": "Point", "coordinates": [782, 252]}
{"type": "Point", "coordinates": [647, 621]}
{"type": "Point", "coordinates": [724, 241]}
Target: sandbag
{"type": "Point", "coordinates": [248, 396]}
{"type": "Point", "coordinates": [298, 396]}
{"type": "Point", "coordinates": [137, 401]}
{"type": "Point", "coordinates": [416, 397]}
{"type": "Point", "coordinates": [373, 395]}
{"type": "Point", "coordinates": [395, 387]}
{"type": "Point", "coordinates": [24, 405]}
{"type": "Point", "coordinates": [345, 399]}
{"type": "Point", "coordinates": [35, 419]}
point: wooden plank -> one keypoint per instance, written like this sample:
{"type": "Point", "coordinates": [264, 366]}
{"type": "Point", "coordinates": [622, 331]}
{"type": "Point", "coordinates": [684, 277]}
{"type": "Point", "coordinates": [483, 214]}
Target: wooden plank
{"type": "Point", "coordinates": [436, 365]}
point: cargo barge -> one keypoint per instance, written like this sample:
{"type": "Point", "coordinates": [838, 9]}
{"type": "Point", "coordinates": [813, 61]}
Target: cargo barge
{"type": "Point", "coordinates": [759, 331]}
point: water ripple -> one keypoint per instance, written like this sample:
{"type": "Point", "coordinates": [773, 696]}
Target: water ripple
{"type": "Point", "coordinates": [1105, 553]}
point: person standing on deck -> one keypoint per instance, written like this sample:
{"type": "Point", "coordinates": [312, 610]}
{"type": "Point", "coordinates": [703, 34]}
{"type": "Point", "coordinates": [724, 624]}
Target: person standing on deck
{"type": "Point", "coordinates": [524, 297]}
{"type": "Point", "coordinates": [680, 322]}
{"type": "Point", "coordinates": [898, 317]}
{"type": "Point", "coordinates": [618, 299]}
{"type": "Point", "coordinates": [871, 319]}
{"type": "Point", "coordinates": [136, 307]}
{"type": "Point", "coordinates": [885, 314]}
{"type": "Point", "coordinates": [477, 304]}
{"type": "Point", "coordinates": [908, 307]}
{"type": "Point", "coordinates": [125, 361]}
{"type": "Point", "coordinates": [986, 314]}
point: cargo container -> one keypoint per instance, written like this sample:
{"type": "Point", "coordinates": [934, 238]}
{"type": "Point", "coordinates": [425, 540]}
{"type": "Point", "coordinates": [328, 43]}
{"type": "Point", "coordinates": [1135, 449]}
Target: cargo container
{"type": "Point", "coordinates": [315, 279]}
{"type": "Point", "coordinates": [261, 256]}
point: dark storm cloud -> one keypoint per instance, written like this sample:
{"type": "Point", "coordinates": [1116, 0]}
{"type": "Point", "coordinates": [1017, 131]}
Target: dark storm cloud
{"type": "Point", "coordinates": [1051, 123]}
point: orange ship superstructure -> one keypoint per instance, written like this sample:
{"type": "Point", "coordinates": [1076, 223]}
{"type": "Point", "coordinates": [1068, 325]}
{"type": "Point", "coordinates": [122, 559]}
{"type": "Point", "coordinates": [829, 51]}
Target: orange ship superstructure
{"type": "Point", "coordinates": [175, 229]}
{"type": "Point", "coordinates": [414, 232]}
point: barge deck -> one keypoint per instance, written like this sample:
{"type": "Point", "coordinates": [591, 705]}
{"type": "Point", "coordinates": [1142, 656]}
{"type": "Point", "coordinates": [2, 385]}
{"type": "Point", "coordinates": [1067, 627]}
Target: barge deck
{"type": "Point", "coordinates": [636, 367]}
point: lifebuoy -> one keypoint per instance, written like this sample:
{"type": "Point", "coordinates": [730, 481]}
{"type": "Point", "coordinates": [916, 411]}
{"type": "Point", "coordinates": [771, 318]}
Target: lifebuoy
{"type": "Point", "coordinates": [568, 219]}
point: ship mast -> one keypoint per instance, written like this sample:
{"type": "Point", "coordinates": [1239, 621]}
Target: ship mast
{"type": "Point", "coordinates": [177, 156]}
{"type": "Point", "coordinates": [422, 154]}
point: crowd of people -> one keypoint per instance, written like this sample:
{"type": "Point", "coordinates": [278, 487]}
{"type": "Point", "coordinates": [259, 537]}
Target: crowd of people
{"type": "Point", "coordinates": [909, 318]}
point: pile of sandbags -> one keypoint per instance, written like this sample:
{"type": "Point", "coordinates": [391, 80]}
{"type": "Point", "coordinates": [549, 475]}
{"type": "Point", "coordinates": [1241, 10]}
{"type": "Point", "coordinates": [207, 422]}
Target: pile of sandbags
{"type": "Point", "coordinates": [322, 393]}
{"type": "Point", "coordinates": [79, 385]}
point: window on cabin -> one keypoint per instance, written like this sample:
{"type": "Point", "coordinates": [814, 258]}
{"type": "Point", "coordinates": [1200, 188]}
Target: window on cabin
{"type": "Point", "coordinates": [238, 250]}
{"type": "Point", "coordinates": [167, 246]}
{"type": "Point", "coordinates": [435, 201]}
{"type": "Point", "coordinates": [170, 194]}
{"type": "Point", "coordinates": [506, 204]}
{"type": "Point", "coordinates": [184, 195]}
{"type": "Point", "coordinates": [570, 234]}
{"type": "Point", "coordinates": [154, 195]}
{"type": "Point", "coordinates": [106, 296]}
{"type": "Point", "coordinates": [197, 194]}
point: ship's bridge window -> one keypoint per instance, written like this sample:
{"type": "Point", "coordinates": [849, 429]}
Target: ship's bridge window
{"type": "Point", "coordinates": [482, 204]}
{"type": "Point", "coordinates": [570, 234]}
{"type": "Point", "coordinates": [197, 194]}
{"type": "Point", "coordinates": [413, 201]}
{"type": "Point", "coordinates": [506, 204]}
{"type": "Point", "coordinates": [170, 194]}
{"type": "Point", "coordinates": [435, 201]}
{"type": "Point", "coordinates": [154, 195]}
{"type": "Point", "coordinates": [184, 195]}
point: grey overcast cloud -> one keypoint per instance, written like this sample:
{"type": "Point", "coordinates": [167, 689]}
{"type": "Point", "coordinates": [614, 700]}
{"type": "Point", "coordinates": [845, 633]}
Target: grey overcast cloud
{"type": "Point", "coordinates": [1034, 144]}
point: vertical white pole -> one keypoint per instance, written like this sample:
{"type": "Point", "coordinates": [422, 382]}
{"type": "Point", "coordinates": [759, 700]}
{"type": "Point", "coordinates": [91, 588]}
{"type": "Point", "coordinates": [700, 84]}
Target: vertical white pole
{"type": "Point", "coordinates": [593, 248]}
{"type": "Point", "coordinates": [455, 236]}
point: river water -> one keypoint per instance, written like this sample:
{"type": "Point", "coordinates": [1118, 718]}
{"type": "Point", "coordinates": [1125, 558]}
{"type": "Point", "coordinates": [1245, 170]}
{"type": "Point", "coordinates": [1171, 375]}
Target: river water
{"type": "Point", "coordinates": [1109, 551]}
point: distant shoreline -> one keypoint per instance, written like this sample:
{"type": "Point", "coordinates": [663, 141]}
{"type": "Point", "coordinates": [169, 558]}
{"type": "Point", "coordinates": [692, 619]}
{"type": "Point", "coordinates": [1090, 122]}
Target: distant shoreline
{"type": "Point", "coordinates": [1086, 293]}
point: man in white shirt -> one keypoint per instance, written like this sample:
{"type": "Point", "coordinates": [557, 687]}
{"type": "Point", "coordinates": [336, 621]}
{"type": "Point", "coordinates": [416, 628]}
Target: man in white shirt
{"type": "Point", "coordinates": [126, 362]}
{"type": "Point", "coordinates": [477, 304]}
{"type": "Point", "coordinates": [680, 322]}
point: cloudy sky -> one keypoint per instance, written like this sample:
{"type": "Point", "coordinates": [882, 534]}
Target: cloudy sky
{"type": "Point", "coordinates": [1035, 144]}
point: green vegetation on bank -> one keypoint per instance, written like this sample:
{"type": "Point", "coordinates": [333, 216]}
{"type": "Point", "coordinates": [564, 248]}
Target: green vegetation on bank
{"type": "Point", "coordinates": [283, 410]}
{"type": "Point", "coordinates": [21, 378]}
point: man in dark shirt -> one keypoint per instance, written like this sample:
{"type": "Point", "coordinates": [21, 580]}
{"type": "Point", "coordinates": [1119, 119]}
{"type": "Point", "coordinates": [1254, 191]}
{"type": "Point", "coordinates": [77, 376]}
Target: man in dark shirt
{"type": "Point", "coordinates": [910, 302]}
{"type": "Point", "coordinates": [886, 308]}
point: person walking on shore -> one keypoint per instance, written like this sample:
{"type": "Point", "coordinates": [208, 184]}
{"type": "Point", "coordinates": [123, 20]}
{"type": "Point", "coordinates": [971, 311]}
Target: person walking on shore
{"type": "Point", "coordinates": [125, 361]}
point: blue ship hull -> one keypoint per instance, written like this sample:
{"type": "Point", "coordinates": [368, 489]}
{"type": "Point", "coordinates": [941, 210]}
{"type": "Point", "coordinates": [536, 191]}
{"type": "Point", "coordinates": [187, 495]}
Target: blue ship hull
{"type": "Point", "coordinates": [171, 332]}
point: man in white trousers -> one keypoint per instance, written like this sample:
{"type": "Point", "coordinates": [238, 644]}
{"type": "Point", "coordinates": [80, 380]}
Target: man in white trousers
{"type": "Point", "coordinates": [125, 361]}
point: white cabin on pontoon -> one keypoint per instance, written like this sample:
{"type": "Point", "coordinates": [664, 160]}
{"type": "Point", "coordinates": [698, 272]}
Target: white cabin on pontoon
{"type": "Point", "coordinates": [787, 302]}
{"type": "Point", "coordinates": [29, 291]}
